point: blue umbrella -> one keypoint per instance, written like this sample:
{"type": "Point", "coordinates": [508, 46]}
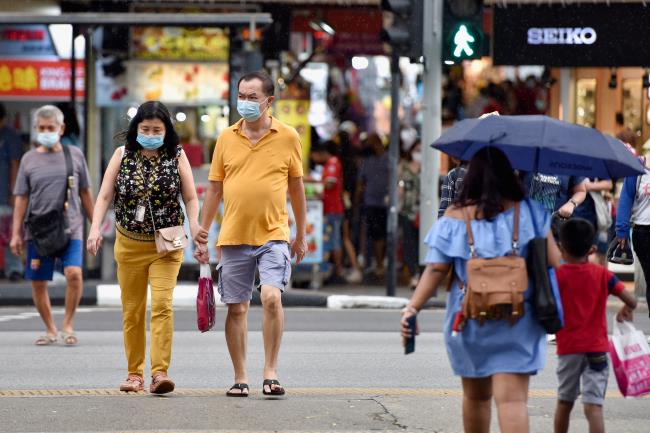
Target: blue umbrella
{"type": "Point", "coordinates": [541, 144]}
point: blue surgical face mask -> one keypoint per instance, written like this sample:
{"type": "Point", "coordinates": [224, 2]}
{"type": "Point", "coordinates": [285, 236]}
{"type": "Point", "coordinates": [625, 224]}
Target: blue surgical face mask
{"type": "Point", "coordinates": [150, 142]}
{"type": "Point", "coordinates": [249, 110]}
{"type": "Point", "coordinates": [47, 139]}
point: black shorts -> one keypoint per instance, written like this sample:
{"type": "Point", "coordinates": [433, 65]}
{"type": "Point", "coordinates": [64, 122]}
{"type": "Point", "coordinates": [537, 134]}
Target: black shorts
{"type": "Point", "coordinates": [376, 221]}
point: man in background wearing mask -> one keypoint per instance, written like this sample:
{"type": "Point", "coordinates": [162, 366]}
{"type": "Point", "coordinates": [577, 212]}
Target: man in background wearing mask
{"type": "Point", "coordinates": [39, 186]}
{"type": "Point", "coordinates": [256, 161]}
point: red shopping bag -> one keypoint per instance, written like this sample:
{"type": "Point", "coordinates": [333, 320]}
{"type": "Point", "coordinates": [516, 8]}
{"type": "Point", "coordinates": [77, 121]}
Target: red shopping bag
{"type": "Point", "coordinates": [205, 307]}
{"type": "Point", "coordinates": [630, 354]}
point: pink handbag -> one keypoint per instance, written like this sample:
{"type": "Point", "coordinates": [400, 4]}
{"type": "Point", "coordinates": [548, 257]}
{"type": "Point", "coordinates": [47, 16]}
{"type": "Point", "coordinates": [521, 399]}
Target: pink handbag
{"type": "Point", "coordinates": [205, 305]}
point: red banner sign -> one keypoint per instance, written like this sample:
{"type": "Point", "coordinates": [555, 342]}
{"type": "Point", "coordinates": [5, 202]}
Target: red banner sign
{"type": "Point", "coordinates": [22, 79]}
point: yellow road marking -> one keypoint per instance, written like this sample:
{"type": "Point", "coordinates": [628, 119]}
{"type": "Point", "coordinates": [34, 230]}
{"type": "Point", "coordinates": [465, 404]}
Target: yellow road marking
{"type": "Point", "coordinates": [303, 392]}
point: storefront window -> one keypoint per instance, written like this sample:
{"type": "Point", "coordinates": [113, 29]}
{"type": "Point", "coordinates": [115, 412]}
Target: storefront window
{"type": "Point", "coordinates": [632, 104]}
{"type": "Point", "coordinates": [586, 102]}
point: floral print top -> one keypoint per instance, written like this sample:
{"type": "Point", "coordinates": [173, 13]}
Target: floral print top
{"type": "Point", "coordinates": [132, 187]}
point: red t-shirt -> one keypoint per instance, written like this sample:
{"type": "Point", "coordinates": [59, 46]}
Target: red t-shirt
{"type": "Point", "coordinates": [333, 197]}
{"type": "Point", "coordinates": [584, 289]}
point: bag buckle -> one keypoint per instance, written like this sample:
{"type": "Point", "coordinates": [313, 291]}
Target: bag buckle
{"type": "Point", "coordinates": [177, 242]}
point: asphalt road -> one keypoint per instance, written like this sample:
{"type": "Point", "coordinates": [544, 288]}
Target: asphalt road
{"type": "Point", "coordinates": [344, 372]}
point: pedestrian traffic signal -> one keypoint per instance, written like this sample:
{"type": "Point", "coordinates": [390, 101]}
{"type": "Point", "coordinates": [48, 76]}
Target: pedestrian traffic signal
{"type": "Point", "coordinates": [404, 33]}
{"type": "Point", "coordinates": [463, 36]}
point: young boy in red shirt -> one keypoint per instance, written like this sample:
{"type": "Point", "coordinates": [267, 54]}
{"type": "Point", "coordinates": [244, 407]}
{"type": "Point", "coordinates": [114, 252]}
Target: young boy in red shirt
{"type": "Point", "coordinates": [582, 343]}
{"type": "Point", "coordinates": [327, 154]}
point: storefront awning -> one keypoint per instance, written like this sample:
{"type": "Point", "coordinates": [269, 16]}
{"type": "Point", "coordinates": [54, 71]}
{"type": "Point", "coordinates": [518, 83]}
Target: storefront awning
{"type": "Point", "coordinates": [142, 19]}
{"type": "Point", "coordinates": [559, 2]}
{"type": "Point", "coordinates": [296, 2]}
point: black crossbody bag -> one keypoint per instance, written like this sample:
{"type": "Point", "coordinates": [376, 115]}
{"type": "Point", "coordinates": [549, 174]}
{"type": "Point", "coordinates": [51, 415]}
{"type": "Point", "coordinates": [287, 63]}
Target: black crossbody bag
{"type": "Point", "coordinates": [51, 231]}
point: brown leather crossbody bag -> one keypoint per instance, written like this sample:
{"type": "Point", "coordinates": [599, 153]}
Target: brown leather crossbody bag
{"type": "Point", "coordinates": [495, 287]}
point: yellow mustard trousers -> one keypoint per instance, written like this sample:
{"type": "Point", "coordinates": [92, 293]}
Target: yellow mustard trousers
{"type": "Point", "coordinates": [139, 264]}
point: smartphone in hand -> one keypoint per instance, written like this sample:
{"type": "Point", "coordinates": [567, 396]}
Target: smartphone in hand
{"type": "Point", "coordinates": [409, 347]}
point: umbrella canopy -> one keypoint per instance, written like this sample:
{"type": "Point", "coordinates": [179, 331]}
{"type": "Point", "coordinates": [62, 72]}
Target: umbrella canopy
{"type": "Point", "coordinates": [541, 144]}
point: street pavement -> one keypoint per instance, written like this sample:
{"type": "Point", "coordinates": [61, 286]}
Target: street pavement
{"type": "Point", "coordinates": [344, 371]}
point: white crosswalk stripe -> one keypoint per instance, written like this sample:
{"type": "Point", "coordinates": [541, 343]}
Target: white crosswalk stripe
{"type": "Point", "coordinates": [55, 311]}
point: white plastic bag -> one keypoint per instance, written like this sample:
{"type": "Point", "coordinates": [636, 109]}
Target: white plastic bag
{"type": "Point", "coordinates": [630, 359]}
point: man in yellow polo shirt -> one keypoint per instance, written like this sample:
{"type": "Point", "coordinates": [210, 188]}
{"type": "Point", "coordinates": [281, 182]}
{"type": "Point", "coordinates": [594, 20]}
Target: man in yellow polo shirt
{"type": "Point", "coordinates": [255, 162]}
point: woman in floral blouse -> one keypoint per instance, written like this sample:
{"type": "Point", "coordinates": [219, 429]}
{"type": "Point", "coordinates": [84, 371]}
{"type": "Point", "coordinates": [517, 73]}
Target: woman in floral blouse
{"type": "Point", "coordinates": [145, 179]}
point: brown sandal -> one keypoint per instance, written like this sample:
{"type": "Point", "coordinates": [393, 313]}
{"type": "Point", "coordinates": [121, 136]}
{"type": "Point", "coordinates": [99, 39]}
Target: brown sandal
{"type": "Point", "coordinates": [133, 383]}
{"type": "Point", "coordinates": [161, 384]}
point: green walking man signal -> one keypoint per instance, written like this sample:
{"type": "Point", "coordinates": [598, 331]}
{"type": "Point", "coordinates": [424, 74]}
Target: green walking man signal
{"type": "Point", "coordinates": [462, 41]}
{"type": "Point", "coordinates": [462, 31]}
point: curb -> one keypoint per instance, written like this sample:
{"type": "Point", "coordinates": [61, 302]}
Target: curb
{"type": "Point", "coordinates": [108, 295]}
{"type": "Point", "coordinates": [21, 294]}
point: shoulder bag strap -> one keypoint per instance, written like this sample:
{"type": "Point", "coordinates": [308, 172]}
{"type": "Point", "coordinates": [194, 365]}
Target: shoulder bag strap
{"type": "Point", "coordinates": [470, 236]}
{"type": "Point", "coordinates": [515, 231]}
{"type": "Point", "coordinates": [153, 220]}
{"type": "Point", "coordinates": [69, 176]}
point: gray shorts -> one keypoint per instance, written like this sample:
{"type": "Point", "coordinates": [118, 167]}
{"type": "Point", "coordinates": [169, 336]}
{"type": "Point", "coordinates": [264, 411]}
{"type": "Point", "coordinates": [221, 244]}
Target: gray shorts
{"type": "Point", "coordinates": [574, 367]}
{"type": "Point", "coordinates": [236, 270]}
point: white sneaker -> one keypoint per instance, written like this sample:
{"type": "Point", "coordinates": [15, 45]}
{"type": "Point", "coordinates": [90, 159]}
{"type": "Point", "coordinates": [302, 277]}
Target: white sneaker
{"type": "Point", "coordinates": [355, 276]}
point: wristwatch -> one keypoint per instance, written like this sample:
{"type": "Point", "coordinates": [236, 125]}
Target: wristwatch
{"type": "Point", "coordinates": [573, 202]}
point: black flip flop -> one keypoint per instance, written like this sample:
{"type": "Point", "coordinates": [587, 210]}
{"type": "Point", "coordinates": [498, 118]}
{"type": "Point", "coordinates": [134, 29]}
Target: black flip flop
{"type": "Point", "coordinates": [270, 383]}
{"type": "Point", "coordinates": [241, 387]}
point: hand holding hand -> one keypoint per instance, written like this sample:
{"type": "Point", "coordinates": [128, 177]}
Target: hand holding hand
{"type": "Point", "coordinates": [199, 234]}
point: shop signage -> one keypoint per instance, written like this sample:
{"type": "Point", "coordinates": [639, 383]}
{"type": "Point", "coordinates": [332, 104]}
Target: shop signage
{"type": "Point", "coordinates": [31, 41]}
{"type": "Point", "coordinates": [295, 112]}
{"type": "Point", "coordinates": [22, 79]}
{"type": "Point", "coordinates": [179, 43]}
{"type": "Point", "coordinates": [178, 83]}
{"type": "Point", "coordinates": [313, 231]}
{"type": "Point", "coordinates": [560, 36]}
{"type": "Point", "coordinates": [571, 36]}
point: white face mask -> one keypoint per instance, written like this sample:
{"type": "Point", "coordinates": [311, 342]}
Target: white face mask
{"type": "Point", "coordinates": [417, 156]}
{"type": "Point", "coordinates": [47, 139]}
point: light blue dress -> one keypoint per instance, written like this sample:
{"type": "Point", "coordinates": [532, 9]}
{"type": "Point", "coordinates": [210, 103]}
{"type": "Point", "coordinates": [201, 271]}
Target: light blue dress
{"type": "Point", "coordinates": [497, 346]}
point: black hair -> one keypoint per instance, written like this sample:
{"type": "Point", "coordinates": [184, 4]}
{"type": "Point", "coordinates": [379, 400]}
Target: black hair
{"type": "Point", "coordinates": [151, 110]}
{"type": "Point", "coordinates": [577, 237]}
{"type": "Point", "coordinates": [332, 147]}
{"type": "Point", "coordinates": [267, 83]}
{"type": "Point", "coordinates": [489, 180]}
{"type": "Point", "coordinates": [3, 111]}
{"type": "Point", "coordinates": [620, 120]}
{"type": "Point", "coordinates": [69, 118]}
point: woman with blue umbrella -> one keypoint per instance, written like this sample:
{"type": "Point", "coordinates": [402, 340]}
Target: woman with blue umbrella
{"type": "Point", "coordinates": [495, 358]}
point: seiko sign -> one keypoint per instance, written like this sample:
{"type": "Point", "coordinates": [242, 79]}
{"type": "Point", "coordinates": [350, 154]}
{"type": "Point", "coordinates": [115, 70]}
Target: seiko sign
{"type": "Point", "coordinates": [561, 36]}
{"type": "Point", "coordinates": [571, 35]}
